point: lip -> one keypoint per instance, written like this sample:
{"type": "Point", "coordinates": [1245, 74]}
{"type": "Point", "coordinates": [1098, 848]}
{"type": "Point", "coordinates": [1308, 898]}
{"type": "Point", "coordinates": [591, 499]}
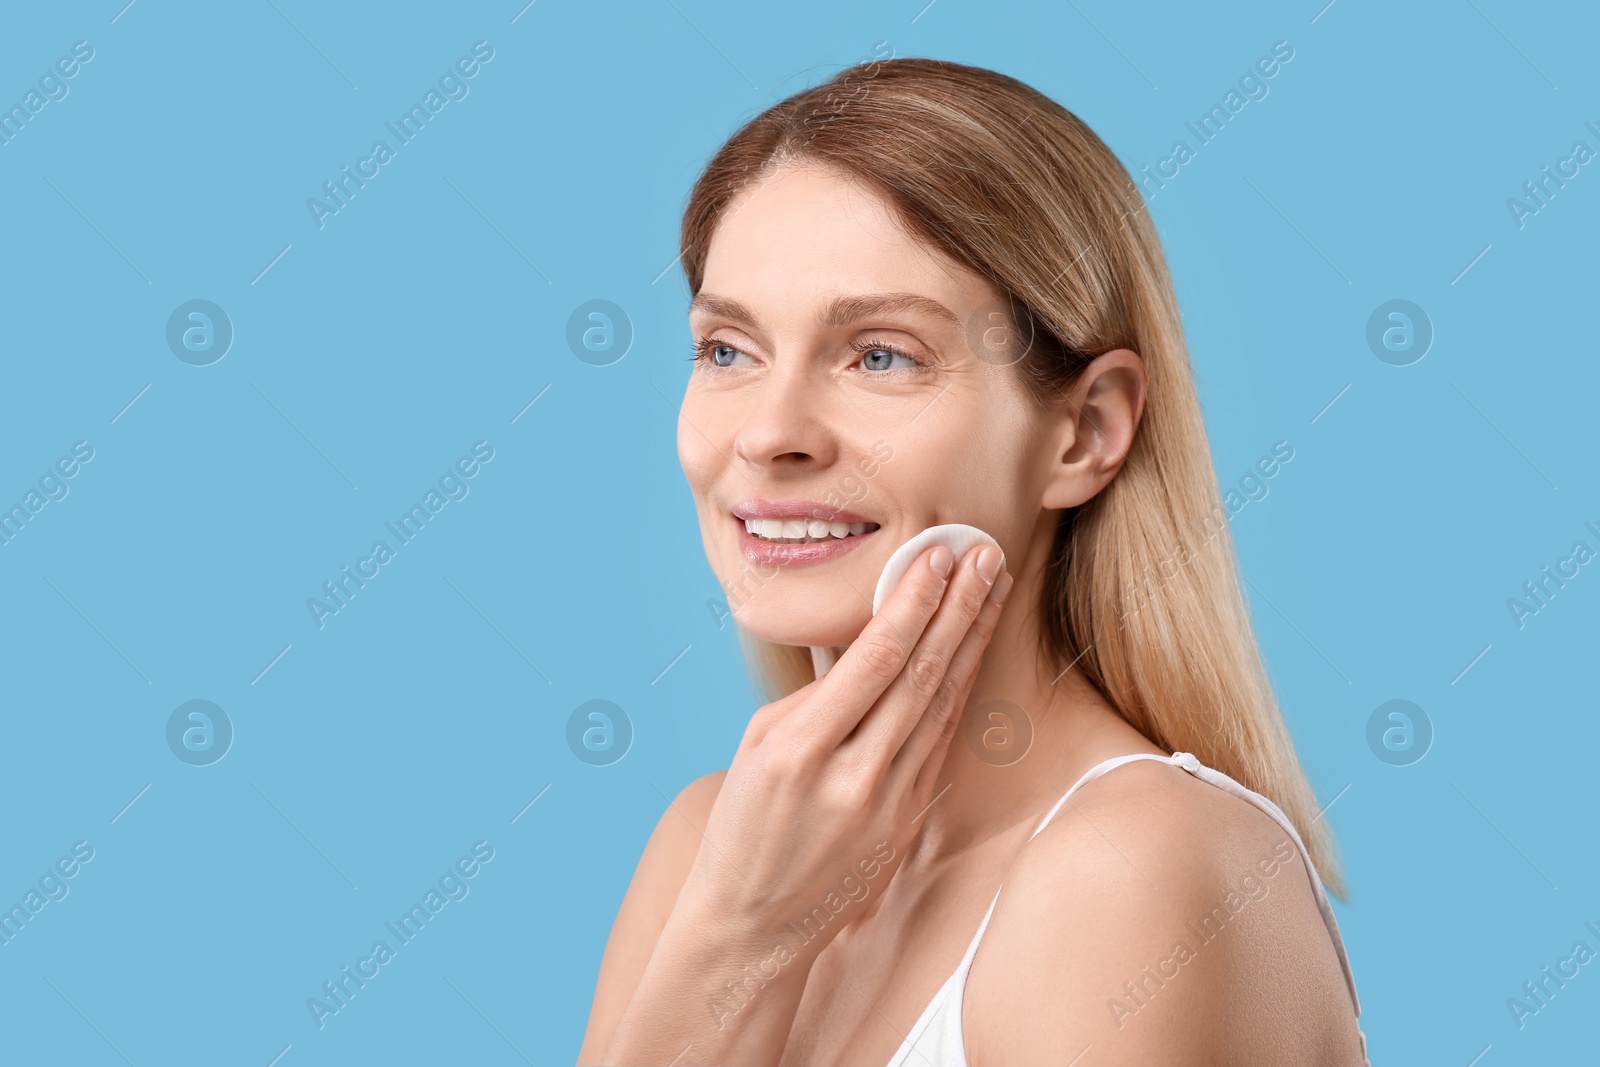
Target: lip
{"type": "Point", "coordinates": [766, 553]}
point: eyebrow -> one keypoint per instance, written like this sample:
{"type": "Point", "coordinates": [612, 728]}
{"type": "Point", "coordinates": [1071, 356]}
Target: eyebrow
{"type": "Point", "coordinates": [842, 311]}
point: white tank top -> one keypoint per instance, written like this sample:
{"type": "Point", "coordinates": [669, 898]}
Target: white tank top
{"type": "Point", "coordinates": [936, 1037]}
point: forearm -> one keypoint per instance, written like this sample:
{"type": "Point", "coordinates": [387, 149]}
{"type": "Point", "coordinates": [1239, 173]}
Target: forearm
{"type": "Point", "coordinates": [714, 991]}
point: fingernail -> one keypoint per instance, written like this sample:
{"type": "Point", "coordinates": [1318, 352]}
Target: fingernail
{"type": "Point", "coordinates": [989, 563]}
{"type": "Point", "coordinates": [941, 559]}
{"type": "Point", "coordinates": [1002, 586]}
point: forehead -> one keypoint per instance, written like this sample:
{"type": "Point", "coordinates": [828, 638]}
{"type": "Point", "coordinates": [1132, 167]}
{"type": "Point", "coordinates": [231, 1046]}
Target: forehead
{"type": "Point", "coordinates": [805, 230]}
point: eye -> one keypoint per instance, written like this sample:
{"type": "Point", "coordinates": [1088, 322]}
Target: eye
{"type": "Point", "coordinates": [877, 356]}
{"type": "Point", "coordinates": [713, 353]}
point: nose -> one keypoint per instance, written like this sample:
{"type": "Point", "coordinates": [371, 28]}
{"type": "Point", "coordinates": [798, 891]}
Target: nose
{"type": "Point", "coordinates": [789, 424]}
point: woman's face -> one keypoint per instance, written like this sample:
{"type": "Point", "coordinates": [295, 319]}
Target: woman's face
{"type": "Point", "coordinates": [840, 384]}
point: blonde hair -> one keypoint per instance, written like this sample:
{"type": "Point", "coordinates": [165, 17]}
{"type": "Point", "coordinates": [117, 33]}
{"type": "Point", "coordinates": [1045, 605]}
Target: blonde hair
{"type": "Point", "coordinates": [1018, 189]}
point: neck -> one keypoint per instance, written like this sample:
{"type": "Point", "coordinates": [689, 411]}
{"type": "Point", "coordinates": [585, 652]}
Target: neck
{"type": "Point", "coordinates": [1028, 730]}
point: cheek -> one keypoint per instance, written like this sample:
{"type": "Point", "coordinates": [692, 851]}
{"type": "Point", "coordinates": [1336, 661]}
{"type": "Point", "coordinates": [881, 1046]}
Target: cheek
{"type": "Point", "coordinates": [702, 465]}
{"type": "Point", "coordinates": [977, 475]}
{"type": "Point", "coordinates": [958, 464]}
{"type": "Point", "coordinates": [696, 455]}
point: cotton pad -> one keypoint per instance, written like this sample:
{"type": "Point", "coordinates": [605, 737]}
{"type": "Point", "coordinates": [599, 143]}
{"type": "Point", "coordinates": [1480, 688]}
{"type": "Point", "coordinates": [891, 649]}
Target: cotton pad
{"type": "Point", "coordinates": [957, 537]}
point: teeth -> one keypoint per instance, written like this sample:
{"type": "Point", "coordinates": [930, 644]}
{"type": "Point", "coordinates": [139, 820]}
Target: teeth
{"type": "Point", "coordinates": [803, 531]}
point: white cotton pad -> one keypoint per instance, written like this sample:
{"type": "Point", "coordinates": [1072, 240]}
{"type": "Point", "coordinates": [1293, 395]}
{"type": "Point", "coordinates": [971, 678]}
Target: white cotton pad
{"type": "Point", "coordinates": [957, 537]}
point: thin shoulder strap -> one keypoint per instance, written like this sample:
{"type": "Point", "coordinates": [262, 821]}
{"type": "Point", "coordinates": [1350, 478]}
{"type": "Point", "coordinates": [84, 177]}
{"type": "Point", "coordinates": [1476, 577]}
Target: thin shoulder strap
{"type": "Point", "coordinates": [1191, 764]}
{"type": "Point", "coordinates": [1090, 775]}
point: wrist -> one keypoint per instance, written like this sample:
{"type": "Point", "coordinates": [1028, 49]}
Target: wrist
{"type": "Point", "coordinates": [730, 945]}
{"type": "Point", "coordinates": [718, 980]}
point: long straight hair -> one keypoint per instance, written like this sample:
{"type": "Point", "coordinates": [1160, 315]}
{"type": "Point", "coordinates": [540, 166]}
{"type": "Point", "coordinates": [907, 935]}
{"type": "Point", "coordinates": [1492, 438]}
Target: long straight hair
{"type": "Point", "coordinates": [1142, 591]}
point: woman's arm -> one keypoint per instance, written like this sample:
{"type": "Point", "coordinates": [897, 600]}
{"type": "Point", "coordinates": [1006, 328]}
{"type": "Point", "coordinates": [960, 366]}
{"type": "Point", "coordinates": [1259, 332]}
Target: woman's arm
{"type": "Point", "coordinates": [650, 898]}
{"type": "Point", "coordinates": [705, 995]}
{"type": "Point", "coordinates": [835, 769]}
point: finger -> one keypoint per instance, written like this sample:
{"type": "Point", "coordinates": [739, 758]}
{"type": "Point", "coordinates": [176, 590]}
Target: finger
{"type": "Point", "coordinates": [922, 756]}
{"type": "Point", "coordinates": [876, 658]}
{"type": "Point", "coordinates": [885, 727]}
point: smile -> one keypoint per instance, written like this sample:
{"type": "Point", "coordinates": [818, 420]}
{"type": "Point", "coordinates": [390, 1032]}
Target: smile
{"type": "Point", "coordinates": [804, 531]}
{"type": "Point", "coordinates": [797, 531]}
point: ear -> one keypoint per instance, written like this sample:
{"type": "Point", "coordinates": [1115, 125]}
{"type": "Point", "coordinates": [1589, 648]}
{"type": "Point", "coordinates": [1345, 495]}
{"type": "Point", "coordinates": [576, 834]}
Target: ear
{"type": "Point", "coordinates": [1096, 420]}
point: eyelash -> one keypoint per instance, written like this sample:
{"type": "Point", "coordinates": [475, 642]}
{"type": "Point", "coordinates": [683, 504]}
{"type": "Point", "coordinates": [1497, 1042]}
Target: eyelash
{"type": "Point", "coordinates": [701, 353]}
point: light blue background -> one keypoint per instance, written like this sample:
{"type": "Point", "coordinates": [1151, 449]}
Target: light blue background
{"type": "Point", "coordinates": [430, 311]}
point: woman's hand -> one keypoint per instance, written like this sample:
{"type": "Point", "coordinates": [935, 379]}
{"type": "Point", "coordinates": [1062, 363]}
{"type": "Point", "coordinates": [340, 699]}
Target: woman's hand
{"type": "Point", "coordinates": [821, 779]}
{"type": "Point", "coordinates": [825, 776]}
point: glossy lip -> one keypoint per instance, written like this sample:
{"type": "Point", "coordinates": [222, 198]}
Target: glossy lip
{"type": "Point", "coordinates": [766, 553]}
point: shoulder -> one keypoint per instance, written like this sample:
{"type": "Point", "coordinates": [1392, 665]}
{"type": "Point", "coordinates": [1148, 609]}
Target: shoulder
{"type": "Point", "coordinates": [670, 852]}
{"type": "Point", "coordinates": [657, 879]}
{"type": "Point", "coordinates": [1157, 917]}
{"type": "Point", "coordinates": [696, 798]}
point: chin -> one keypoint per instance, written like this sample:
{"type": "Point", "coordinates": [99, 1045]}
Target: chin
{"type": "Point", "coordinates": [785, 622]}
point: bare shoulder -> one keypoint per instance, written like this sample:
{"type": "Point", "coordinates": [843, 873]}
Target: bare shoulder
{"type": "Point", "coordinates": [691, 807]}
{"type": "Point", "coordinates": [668, 855]}
{"type": "Point", "coordinates": [1159, 918]}
{"type": "Point", "coordinates": [657, 880]}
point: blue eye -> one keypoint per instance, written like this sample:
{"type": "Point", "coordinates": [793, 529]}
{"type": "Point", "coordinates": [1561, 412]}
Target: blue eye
{"type": "Point", "coordinates": [876, 356]}
{"type": "Point", "coordinates": [714, 353]}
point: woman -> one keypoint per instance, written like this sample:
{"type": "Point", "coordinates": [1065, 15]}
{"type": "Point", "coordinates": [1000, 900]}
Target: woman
{"type": "Point", "coordinates": [928, 292]}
